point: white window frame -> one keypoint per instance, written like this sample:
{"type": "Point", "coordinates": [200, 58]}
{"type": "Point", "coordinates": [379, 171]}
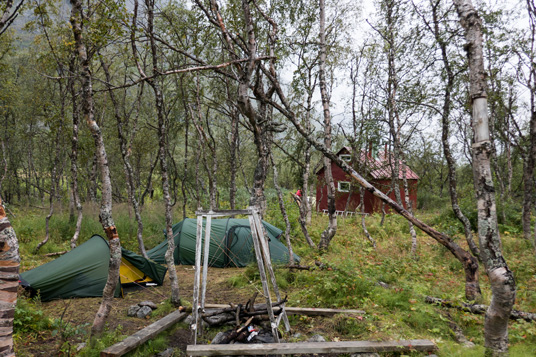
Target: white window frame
{"type": "Point", "coordinates": [340, 189]}
{"type": "Point", "coordinates": [346, 157]}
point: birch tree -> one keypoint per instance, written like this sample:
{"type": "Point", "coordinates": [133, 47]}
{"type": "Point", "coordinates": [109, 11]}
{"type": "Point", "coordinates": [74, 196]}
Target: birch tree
{"type": "Point", "coordinates": [500, 277]}
{"type": "Point", "coordinates": [156, 84]}
{"type": "Point", "coordinates": [9, 245]}
{"type": "Point", "coordinates": [435, 28]}
{"type": "Point", "coordinates": [328, 234]}
{"type": "Point", "coordinates": [105, 216]}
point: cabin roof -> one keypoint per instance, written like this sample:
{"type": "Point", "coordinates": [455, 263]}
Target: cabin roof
{"type": "Point", "coordinates": [378, 167]}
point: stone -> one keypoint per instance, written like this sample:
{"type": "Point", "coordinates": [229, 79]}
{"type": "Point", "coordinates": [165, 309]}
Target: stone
{"type": "Point", "coordinates": [264, 336]}
{"type": "Point", "coordinates": [143, 312]}
{"type": "Point", "coordinates": [220, 336]}
{"type": "Point", "coordinates": [166, 353]}
{"type": "Point", "coordinates": [366, 354]}
{"type": "Point", "coordinates": [151, 304]}
{"type": "Point", "coordinates": [133, 310]}
{"type": "Point", "coordinates": [316, 338]}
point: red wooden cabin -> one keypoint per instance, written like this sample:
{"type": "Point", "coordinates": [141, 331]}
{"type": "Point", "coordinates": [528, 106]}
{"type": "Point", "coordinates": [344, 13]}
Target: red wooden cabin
{"type": "Point", "coordinates": [377, 170]}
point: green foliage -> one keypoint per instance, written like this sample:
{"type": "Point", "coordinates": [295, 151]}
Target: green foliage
{"type": "Point", "coordinates": [30, 322]}
{"type": "Point", "coordinates": [341, 287]}
{"type": "Point", "coordinates": [66, 332]}
{"type": "Point", "coordinates": [30, 318]}
{"type": "Point", "coordinates": [151, 347]}
{"type": "Point", "coordinates": [106, 339]}
{"type": "Point", "coordinates": [165, 308]}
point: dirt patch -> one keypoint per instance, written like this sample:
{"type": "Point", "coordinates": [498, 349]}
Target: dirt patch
{"type": "Point", "coordinates": [81, 312]}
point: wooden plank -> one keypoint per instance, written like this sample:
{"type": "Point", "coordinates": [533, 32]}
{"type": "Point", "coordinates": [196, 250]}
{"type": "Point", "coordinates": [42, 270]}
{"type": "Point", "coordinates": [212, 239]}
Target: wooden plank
{"type": "Point", "coordinates": [144, 335]}
{"type": "Point", "coordinates": [308, 311]}
{"type": "Point", "coordinates": [311, 347]}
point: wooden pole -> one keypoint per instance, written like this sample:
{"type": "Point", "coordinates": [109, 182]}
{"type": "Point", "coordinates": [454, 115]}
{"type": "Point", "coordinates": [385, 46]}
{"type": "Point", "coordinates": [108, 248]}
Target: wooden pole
{"type": "Point", "coordinates": [195, 304]}
{"type": "Point", "coordinates": [262, 272]}
{"type": "Point", "coordinates": [268, 261]}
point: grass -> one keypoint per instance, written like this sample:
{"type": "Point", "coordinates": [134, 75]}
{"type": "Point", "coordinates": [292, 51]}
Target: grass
{"type": "Point", "coordinates": [351, 281]}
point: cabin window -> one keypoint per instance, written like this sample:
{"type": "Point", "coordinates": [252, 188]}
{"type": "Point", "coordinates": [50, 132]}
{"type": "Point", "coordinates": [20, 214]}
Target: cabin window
{"type": "Point", "coordinates": [343, 186]}
{"type": "Point", "coordinates": [346, 158]}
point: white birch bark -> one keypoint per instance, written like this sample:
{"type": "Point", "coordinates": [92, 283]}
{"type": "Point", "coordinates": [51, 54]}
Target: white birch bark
{"type": "Point", "coordinates": [500, 277]}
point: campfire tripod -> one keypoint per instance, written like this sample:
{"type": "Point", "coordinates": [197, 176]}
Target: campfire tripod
{"type": "Point", "coordinates": [262, 253]}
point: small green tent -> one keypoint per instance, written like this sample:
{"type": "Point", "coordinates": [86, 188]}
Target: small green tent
{"type": "Point", "coordinates": [231, 244]}
{"type": "Point", "coordinates": [84, 270]}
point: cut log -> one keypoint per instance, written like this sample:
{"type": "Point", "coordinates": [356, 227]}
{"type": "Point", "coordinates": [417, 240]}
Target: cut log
{"type": "Point", "coordinates": [311, 347]}
{"type": "Point", "coordinates": [308, 311]}
{"type": "Point", "coordinates": [144, 334]}
{"type": "Point", "coordinates": [479, 308]}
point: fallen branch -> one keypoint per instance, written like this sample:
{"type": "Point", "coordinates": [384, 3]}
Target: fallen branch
{"type": "Point", "coordinates": [55, 254]}
{"type": "Point", "coordinates": [307, 311]}
{"type": "Point", "coordinates": [479, 309]}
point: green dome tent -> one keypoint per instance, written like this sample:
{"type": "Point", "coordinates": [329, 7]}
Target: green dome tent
{"type": "Point", "coordinates": [84, 270]}
{"type": "Point", "coordinates": [231, 244]}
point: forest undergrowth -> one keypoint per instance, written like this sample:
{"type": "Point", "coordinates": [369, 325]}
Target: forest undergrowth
{"type": "Point", "coordinates": [386, 282]}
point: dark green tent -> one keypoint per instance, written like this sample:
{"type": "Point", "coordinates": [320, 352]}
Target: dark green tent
{"type": "Point", "coordinates": [84, 270]}
{"type": "Point", "coordinates": [231, 244]}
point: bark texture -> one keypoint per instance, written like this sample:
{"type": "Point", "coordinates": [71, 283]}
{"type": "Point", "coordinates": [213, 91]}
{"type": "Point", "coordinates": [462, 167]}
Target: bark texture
{"type": "Point", "coordinates": [530, 157]}
{"type": "Point", "coordinates": [9, 280]}
{"type": "Point", "coordinates": [105, 215]}
{"type": "Point", "coordinates": [283, 211]}
{"type": "Point", "coordinates": [74, 157]}
{"type": "Point", "coordinates": [162, 155]}
{"type": "Point", "coordinates": [395, 126]}
{"type": "Point", "coordinates": [445, 133]}
{"type": "Point", "coordinates": [500, 277]}
{"type": "Point", "coordinates": [125, 153]}
{"type": "Point", "coordinates": [328, 234]}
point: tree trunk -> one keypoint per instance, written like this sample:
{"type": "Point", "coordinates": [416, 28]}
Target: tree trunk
{"type": "Point", "coordinates": [54, 179]}
{"type": "Point", "coordinates": [125, 153]}
{"type": "Point", "coordinates": [445, 134]}
{"type": "Point", "coordinates": [233, 153]}
{"type": "Point", "coordinates": [305, 206]}
{"type": "Point", "coordinates": [9, 270]}
{"type": "Point", "coordinates": [105, 215]}
{"type": "Point", "coordinates": [74, 159]}
{"type": "Point", "coordinates": [328, 234]}
{"type": "Point", "coordinates": [363, 215]}
{"type": "Point", "coordinates": [500, 277]}
{"type": "Point", "coordinates": [162, 153]}
{"type": "Point", "coordinates": [185, 167]}
{"type": "Point", "coordinates": [92, 178]}
{"type": "Point", "coordinates": [283, 211]}
{"type": "Point", "coordinates": [395, 126]}
{"type": "Point", "coordinates": [207, 142]}
{"type": "Point", "coordinates": [530, 158]}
